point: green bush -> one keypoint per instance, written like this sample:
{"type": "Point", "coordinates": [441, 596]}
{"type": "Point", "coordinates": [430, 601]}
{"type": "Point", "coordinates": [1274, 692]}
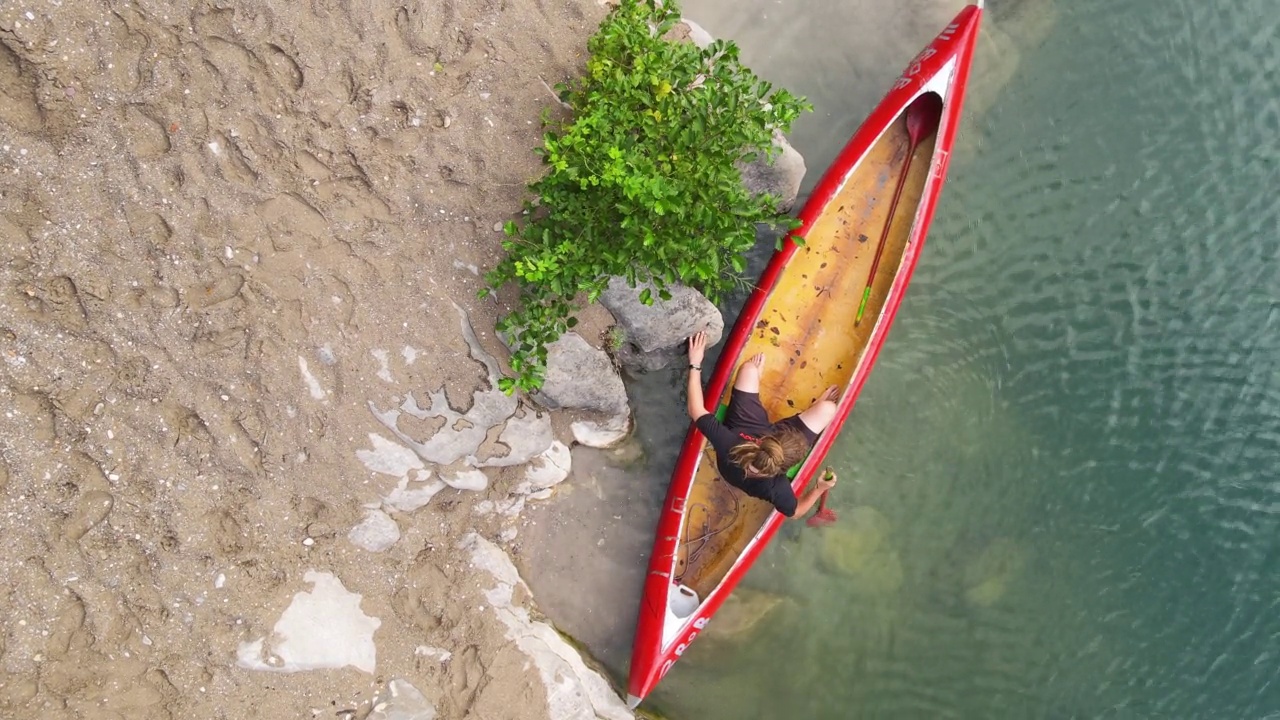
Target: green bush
{"type": "Point", "coordinates": [643, 180]}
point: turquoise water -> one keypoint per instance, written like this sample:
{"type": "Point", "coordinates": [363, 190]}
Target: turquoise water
{"type": "Point", "coordinates": [1059, 492]}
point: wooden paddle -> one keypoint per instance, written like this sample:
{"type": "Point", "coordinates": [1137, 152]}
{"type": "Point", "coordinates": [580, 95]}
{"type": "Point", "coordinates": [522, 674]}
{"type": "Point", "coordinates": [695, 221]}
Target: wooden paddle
{"type": "Point", "coordinates": [922, 118]}
{"type": "Point", "coordinates": [824, 516]}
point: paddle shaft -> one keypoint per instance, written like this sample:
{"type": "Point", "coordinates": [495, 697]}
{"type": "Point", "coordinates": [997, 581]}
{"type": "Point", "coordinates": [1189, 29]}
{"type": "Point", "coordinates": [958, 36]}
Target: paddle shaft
{"type": "Point", "coordinates": [822, 501]}
{"type": "Point", "coordinates": [913, 141]}
{"type": "Point", "coordinates": [823, 516]}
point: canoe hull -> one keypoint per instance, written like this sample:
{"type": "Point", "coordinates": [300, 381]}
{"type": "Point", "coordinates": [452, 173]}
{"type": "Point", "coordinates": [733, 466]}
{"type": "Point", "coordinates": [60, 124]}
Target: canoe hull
{"type": "Point", "coordinates": [663, 634]}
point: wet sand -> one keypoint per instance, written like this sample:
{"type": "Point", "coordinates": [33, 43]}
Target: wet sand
{"type": "Point", "coordinates": [225, 230]}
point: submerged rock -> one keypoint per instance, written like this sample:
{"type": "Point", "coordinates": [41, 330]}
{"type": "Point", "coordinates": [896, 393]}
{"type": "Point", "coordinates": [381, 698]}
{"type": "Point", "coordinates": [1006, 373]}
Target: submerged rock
{"type": "Point", "coordinates": [858, 547]}
{"type": "Point", "coordinates": [742, 612]}
{"type": "Point", "coordinates": [988, 578]}
{"type": "Point", "coordinates": [881, 575]}
{"type": "Point", "coordinates": [849, 545]}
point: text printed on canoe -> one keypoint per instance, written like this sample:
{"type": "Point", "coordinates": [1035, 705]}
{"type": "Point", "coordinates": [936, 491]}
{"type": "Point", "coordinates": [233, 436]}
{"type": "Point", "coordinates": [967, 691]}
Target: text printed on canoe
{"type": "Point", "coordinates": [942, 157]}
{"type": "Point", "coordinates": [916, 66]}
{"type": "Point", "coordinates": [698, 625]}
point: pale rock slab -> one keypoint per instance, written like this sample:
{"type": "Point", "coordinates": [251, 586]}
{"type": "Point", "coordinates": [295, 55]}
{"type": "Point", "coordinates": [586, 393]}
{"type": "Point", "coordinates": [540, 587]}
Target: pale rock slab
{"type": "Point", "coordinates": [377, 533]}
{"type": "Point", "coordinates": [601, 434]}
{"type": "Point", "coordinates": [435, 653]}
{"type": "Point", "coordinates": [508, 507]}
{"type": "Point", "coordinates": [321, 629]}
{"type": "Point", "coordinates": [473, 480]}
{"type": "Point", "coordinates": [574, 691]}
{"type": "Point", "coordinates": [401, 701]}
{"type": "Point", "coordinates": [547, 470]}
{"type": "Point", "coordinates": [462, 433]}
{"type": "Point", "coordinates": [389, 458]}
{"type": "Point", "coordinates": [526, 435]}
{"type": "Point", "coordinates": [698, 35]}
{"type": "Point", "coordinates": [409, 495]}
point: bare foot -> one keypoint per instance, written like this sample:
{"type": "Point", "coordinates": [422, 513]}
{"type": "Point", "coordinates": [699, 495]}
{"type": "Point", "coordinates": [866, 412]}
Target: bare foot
{"type": "Point", "coordinates": [832, 393]}
{"type": "Point", "coordinates": [749, 374]}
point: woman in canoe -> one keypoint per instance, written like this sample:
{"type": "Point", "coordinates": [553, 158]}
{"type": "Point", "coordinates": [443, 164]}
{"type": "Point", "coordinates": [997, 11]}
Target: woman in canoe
{"type": "Point", "coordinates": [753, 454]}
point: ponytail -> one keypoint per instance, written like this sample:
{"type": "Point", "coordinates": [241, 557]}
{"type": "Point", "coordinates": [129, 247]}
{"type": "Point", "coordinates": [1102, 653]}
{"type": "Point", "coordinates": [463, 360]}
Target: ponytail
{"type": "Point", "coordinates": [772, 455]}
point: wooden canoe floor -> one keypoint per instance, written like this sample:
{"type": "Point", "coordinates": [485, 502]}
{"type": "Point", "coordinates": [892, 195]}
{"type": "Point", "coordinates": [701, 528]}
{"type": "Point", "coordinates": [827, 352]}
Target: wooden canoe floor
{"type": "Point", "coordinates": [807, 335]}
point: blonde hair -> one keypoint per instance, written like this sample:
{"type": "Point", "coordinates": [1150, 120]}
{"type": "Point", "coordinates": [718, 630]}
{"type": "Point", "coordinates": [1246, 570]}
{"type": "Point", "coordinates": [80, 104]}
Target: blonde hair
{"type": "Point", "coordinates": [772, 455]}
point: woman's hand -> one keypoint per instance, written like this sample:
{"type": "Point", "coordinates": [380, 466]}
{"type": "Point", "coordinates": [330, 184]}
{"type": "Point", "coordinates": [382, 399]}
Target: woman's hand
{"type": "Point", "coordinates": [694, 402]}
{"type": "Point", "coordinates": [697, 348]}
{"type": "Point", "coordinates": [822, 484]}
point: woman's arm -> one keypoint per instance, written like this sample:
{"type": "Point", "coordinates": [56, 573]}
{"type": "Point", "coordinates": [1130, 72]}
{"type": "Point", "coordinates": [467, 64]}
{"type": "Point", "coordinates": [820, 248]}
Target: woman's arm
{"type": "Point", "coordinates": [812, 494]}
{"type": "Point", "coordinates": [807, 501]}
{"type": "Point", "coordinates": [696, 404]}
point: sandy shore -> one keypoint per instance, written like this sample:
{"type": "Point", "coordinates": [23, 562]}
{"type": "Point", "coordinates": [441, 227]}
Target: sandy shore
{"type": "Point", "coordinates": [225, 231]}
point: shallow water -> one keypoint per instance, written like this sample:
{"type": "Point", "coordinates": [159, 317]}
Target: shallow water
{"type": "Point", "coordinates": [1073, 430]}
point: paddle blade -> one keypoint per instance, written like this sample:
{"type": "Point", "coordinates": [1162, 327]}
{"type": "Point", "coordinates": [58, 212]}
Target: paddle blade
{"type": "Point", "coordinates": [923, 115]}
{"type": "Point", "coordinates": [822, 518]}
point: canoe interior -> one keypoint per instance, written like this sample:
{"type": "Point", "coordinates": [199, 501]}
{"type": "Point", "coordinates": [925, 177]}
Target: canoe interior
{"type": "Point", "coordinates": [807, 333]}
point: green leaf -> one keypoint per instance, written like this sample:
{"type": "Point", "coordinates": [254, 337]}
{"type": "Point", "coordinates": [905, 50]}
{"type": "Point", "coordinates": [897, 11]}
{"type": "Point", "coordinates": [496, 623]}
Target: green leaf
{"type": "Point", "coordinates": [640, 179]}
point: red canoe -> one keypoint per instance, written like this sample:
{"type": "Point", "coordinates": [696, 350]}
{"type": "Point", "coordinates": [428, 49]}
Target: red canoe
{"type": "Point", "coordinates": [863, 228]}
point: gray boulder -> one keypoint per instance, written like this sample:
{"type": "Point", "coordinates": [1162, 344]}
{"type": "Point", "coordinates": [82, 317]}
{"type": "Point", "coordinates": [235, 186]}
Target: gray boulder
{"type": "Point", "coordinates": [583, 378]}
{"type": "Point", "coordinates": [653, 336]}
{"type": "Point", "coordinates": [695, 33]}
{"type": "Point", "coordinates": [781, 179]}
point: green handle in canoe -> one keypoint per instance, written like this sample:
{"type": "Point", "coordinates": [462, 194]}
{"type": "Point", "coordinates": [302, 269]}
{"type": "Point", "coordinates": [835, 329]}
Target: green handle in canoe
{"type": "Point", "coordinates": [866, 295]}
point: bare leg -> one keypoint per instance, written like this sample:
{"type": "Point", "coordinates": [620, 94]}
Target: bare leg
{"type": "Point", "coordinates": [822, 412]}
{"type": "Point", "coordinates": [749, 374]}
